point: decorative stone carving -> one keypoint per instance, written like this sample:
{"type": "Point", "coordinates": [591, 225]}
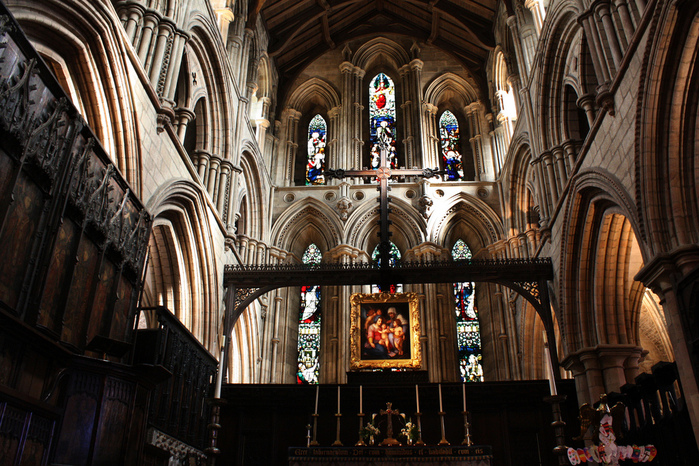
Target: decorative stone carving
{"type": "Point", "coordinates": [425, 203]}
{"type": "Point", "coordinates": [344, 205]}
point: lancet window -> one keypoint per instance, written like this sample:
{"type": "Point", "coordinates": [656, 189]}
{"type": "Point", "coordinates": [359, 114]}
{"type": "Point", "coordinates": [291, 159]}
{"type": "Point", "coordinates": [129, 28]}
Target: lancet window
{"type": "Point", "coordinates": [468, 334]}
{"type": "Point", "coordinates": [309, 325]}
{"type": "Point", "coordinates": [394, 258]}
{"type": "Point", "coordinates": [382, 120]}
{"type": "Point", "coordinates": [450, 142]}
{"type": "Point", "coordinates": [315, 165]}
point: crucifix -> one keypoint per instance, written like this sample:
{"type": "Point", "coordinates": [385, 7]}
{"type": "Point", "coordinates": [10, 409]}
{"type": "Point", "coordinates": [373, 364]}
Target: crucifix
{"type": "Point", "coordinates": [384, 173]}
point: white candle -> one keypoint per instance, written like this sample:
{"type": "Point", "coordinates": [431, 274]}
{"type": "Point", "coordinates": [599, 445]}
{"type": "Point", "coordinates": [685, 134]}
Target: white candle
{"type": "Point", "coordinates": [317, 388]}
{"type": "Point", "coordinates": [360, 399]}
{"type": "Point", "coordinates": [440, 398]}
{"type": "Point", "coordinates": [549, 369]}
{"type": "Point", "coordinates": [417, 398]}
{"type": "Point", "coordinates": [463, 392]}
{"type": "Point", "coordinates": [338, 398]}
{"type": "Point", "coordinates": [219, 375]}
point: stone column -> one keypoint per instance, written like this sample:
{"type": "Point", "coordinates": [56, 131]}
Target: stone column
{"type": "Point", "coordinates": [537, 12]}
{"type": "Point", "coordinates": [173, 72]}
{"type": "Point", "coordinates": [587, 103]}
{"type": "Point", "coordinates": [514, 30]}
{"type": "Point", "coordinates": [586, 20]}
{"type": "Point", "coordinates": [150, 20]}
{"type": "Point", "coordinates": [551, 177]}
{"type": "Point", "coordinates": [223, 187]}
{"type": "Point", "coordinates": [627, 24]}
{"type": "Point", "coordinates": [561, 167]}
{"type": "Point", "coordinates": [214, 163]}
{"type": "Point", "coordinates": [430, 141]}
{"type": "Point", "coordinates": [602, 10]}
{"type": "Point", "coordinates": [136, 12]}
{"type": "Point", "coordinates": [571, 150]}
{"type": "Point", "coordinates": [201, 161]}
{"type": "Point", "coordinates": [543, 195]}
{"type": "Point", "coordinates": [332, 147]}
{"type": "Point", "coordinates": [341, 156]}
{"type": "Point", "coordinates": [183, 117]}
{"type": "Point", "coordinates": [355, 157]}
{"type": "Point", "coordinates": [162, 45]}
{"type": "Point", "coordinates": [292, 122]}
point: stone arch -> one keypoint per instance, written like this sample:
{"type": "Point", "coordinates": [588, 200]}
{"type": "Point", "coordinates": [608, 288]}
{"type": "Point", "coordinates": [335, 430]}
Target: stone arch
{"type": "Point", "coordinates": [522, 214]}
{"type": "Point", "coordinates": [470, 214]}
{"type": "Point", "coordinates": [182, 271]}
{"type": "Point", "coordinates": [307, 219]}
{"type": "Point", "coordinates": [448, 86]}
{"type": "Point", "coordinates": [667, 130]}
{"type": "Point", "coordinates": [600, 299]}
{"type": "Point", "coordinates": [96, 75]}
{"type": "Point", "coordinates": [368, 53]}
{"type": "Point", "coordinates": [257, 212]}
{"type": "Point", "coordinates": [408, 226]}
{"type": "Point", "coordinates": [563, 30]}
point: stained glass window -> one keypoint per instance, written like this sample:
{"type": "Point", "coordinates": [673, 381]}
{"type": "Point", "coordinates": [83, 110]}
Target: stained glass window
{"type": "Point", "coordinates": [382, 117]}
{"type": "Point", "coordinates": [309, 325]}
{"type": "Point", "coordinates": [315, 165]}
{"type": "Point", "coordinates": [468, 333]}
{"type": "Point", "coordinates": [394, 258]}
{"type": "Point", "coordinates": [450, 142]}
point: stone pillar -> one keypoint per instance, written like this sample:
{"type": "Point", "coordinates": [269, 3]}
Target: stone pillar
{"type": "Point", "coordinates": [183, 117]}
{"type": "Point", "coordinates": [475, 138]}
{"type": "Point", "coordinates": [223, 188]}
{"type": "Point", "coordinates": [162, 45]}
{"type": "Point", "coordinates": [514, 30]}
{"type": "Point", "coordinates": [541, 185]}
{"type": "Point", "coordinates": [627, 24]}
{"type": "Point", "coordinates": [173, 72]}
{"type": "Point", "coordinates": [292, 122]}
{"type": "Point", "coordinates": [248, 35]}
{"type": "Point", "coordinates": [332, 148]}
{"type": "Point", "coordinates": [602, 10]}
{"type": "Point", "coordinates": [214, 163]}
{"type": "Point", "coordinates": [587, 21]}
{"type": "Point", "coordinates": [431, 147]}
{"type": "Point", "coordinates": [587, 103]}
{"type": "Point", "coordinates": [150, 20]}
{"type": "Point", "coordinates": [571, 151]}
{"type": "Point", "coordinates": [537, 12]}
{"type": "Point", "coordinates": [551, 177]}
{"type": "Point", "coordinates": [201, 161]}
{"type": "Point", "coordinates": [135, 14]}
{"type": "Point", "coordinates": [355, 124]}
{"type": "Point", "coordinates": [561, 167]}
{"type": "Point", "coordinates": [341, 155]}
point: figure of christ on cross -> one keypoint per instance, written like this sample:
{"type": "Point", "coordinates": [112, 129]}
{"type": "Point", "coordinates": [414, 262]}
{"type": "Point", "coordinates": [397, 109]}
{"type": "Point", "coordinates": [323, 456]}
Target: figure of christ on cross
{"type": "Point", "coordinates": [384, 173]}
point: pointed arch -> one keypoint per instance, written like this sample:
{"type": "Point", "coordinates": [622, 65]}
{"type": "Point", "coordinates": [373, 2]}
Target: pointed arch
{"type": "Point", "coordinates": [307, 220]}
{"type": "Point", "coordinates": [370, 51]}
{"type": "Point", "coordinates": [476, 222]}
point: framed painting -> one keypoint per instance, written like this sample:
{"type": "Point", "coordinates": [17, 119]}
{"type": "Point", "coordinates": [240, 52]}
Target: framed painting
{"type": "Point", "coordinates": [385, 331]}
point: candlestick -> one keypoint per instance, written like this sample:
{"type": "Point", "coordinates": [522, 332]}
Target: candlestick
{"type": "Point", "coordinates": [308, 435]}
{"type": "Point", "coordinates": [419, 429]}
{"type": "Point", "coordinates": [360, 399]}
{"type": "Point", "coordinates": [337, 442]}
{"type": "Point", "coordinates": [463, 392]}
{"type": "Point", "coordinates": [316, 410]}
{"type": "Point", "coordinates": [219, 375]}
{"type": "Point", "coordinates": [314, 442]}
{"type": "Point", "coordinates": [467, 430]}
{"type": "Point", "coordinates": [417, 398]}
{"type": "Point", "coordinates": [441, 418]}
{"type": "Point", "coordinates": [338, 398]}
{"type": "Point", "coordinates": [440, 397]}
{"type": "Point", "coordinates": [360, 442]}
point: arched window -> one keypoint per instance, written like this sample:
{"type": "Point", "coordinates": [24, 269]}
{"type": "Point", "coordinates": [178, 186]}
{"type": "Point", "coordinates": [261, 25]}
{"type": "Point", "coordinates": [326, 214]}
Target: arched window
{"type": "Point", "coordinates": [468, 333]}
{"type": "Point", "coordinates": [394, 255]}
{"type": "Point", "coordinates": [382, 120]}
{"type": "Point", "coordinates": [316, 151]}
{"type": "Point", "coordinates": [450, 139]}
{"type": "Point", "coordinates": [309, 325]}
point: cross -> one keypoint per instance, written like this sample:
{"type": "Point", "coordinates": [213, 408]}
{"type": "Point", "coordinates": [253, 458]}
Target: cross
{"type": "Point", "coordinates": [384, 173]}
{"type": "Point", "coordinates": [389, 440]}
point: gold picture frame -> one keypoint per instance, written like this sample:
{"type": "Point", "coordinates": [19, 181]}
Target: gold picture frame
{"type": "Point", "coordinates": [385, 331]}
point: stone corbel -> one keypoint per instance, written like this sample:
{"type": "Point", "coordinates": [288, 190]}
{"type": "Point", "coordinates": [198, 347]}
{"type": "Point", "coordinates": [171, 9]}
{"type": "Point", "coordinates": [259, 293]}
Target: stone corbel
{"type": "Point", "coordinates": [605, 98]}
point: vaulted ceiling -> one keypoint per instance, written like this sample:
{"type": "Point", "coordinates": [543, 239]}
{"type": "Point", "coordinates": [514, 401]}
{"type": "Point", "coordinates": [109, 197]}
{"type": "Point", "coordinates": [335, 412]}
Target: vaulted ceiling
{"type": "Point", "coordinates": [301, 30]}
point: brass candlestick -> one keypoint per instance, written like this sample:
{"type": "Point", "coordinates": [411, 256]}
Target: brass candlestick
{"type": "Point", "coordinates": [444, 440]}
{"type": "Point", "coordinates": [308, 435]}
{"type": "Point", "coordinates": [337, 442]}
{"type": "Point", "coordinates": [314, 442]}
{"type": "Point", "coordinates": [419, 430]}
{"type": "Point", "coordinates": [360, 442]}
{"type": "Point", "coordinates": [467, 430]}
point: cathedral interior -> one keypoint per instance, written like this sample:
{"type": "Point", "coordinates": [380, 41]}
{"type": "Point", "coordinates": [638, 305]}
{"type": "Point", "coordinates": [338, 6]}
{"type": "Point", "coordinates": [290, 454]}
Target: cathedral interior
{"type": "Point", "coordinates": [216, 213]}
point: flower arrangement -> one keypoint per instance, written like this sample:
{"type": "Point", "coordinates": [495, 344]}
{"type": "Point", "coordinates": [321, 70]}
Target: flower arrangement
{"type": "Point", "coordinates": [368, 432]}
{"type": "Point", "coordinates": [409, 432]}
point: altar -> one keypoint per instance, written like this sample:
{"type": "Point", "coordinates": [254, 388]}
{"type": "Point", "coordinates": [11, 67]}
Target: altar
{"type": "Point", "coordinates": [475, 455]}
